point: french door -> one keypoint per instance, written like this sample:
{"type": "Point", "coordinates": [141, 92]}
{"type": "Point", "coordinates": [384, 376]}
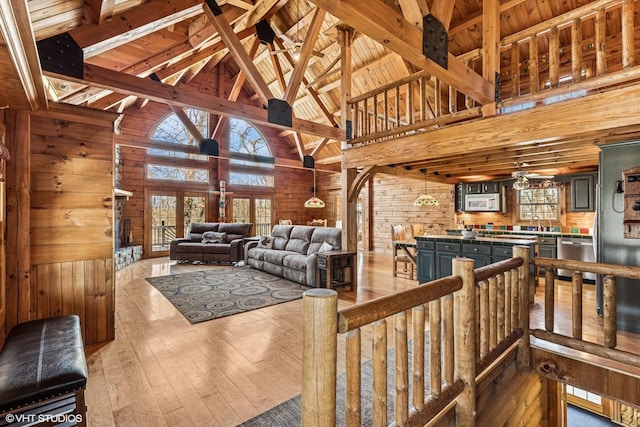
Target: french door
{"type": "Point", "coordinates": [257, 210]}
{"type": "Point", "coordinates": [169, 215]}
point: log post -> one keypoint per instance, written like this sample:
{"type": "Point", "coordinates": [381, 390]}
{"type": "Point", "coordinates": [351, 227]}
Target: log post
{"type": "Point", "coordinates": [401, 404]}
{"type": "Point", "coordinates": [549, 298]}
{"type": "Point", "coordinates": [576, 302]}
{"type": "Point", "coordinates": [465, 340]}
{"type": "Point", "coordinates": [380, 373]}
{"type": "Point", "coordinates": [353, 378]}
{"type": "Point", "coordinates": [319, 356]}
{"type": "Point", "coordinates": [435, 347]}
{"type": "Point", "coordinates": [576, 50]}
{"type": "Point", "coordinates": [493, 313]}
{"type": "Point", "coordinates": [600, 38]}
{"type": "Point", "coordinates": [523, 304]}
{"type": "Point", "coordinates": [534, 78]}
{"type": "Point", "coordinates": [609, 311]}
{"type": "Point", "coordinates": [417, 366]}
{"type": "Point", "coordinates": [448, 341]}
{"type": "Point", "coordinates": [484, 318]}
{"type": "Point", "coordinates": [500, 334]}
{"type": "Point", "coordinates": [628, 28]}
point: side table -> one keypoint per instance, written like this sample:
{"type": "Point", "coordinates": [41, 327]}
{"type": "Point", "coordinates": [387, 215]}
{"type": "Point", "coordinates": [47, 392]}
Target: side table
{"type": "Point", "coordinates": [336, 269]}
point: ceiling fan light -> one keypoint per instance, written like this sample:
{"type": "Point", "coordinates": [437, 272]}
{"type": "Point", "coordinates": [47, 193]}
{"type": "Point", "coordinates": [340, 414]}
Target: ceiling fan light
{"type": "Point", "coordinates": [521, 183]}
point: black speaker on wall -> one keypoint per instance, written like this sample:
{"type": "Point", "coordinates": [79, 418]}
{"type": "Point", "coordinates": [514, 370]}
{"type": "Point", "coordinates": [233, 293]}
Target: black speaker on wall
{"type": "Point", "coordinates": [210, 147]}
{"type": "Point", "coordinates": [266, 35]}
{"type": "Point", "coordinates": [308, 162]}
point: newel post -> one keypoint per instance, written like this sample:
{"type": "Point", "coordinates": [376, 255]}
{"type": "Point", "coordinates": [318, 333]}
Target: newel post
{"type": "Point", "coordinates": [319, 337]}
{"type": "Point", "coordinates": [523, 289]}
{"type": "Point", "coordinates": [464, 317]}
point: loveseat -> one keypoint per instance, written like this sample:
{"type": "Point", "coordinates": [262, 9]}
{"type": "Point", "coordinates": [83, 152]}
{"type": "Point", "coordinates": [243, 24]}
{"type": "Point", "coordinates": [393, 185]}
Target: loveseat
{"type": "Point", "coordinates": [211, 241]}
{"type": "Point", "coordinates": [291, 251]}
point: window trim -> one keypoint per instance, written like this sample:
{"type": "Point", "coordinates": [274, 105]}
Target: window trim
{"type": "Point", "coordinates": [561, 210]}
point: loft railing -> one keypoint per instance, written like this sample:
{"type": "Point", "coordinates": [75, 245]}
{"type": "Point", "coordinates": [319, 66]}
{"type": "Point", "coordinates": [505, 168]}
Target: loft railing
{"type": "Point", "coordinates": [608, 337]}
{"type": "Point", "coordinates": [474, 317]}
{"type": "Point", "coordinates": [569, 56]}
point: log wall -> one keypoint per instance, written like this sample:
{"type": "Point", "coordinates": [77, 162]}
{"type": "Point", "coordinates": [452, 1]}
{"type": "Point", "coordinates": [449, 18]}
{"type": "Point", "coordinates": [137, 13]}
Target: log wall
{"type": "Point", "coordinates": [388, 200]}
{"type": "Point", "coordinates": [71, 210]}
{"type": "Point", "coordinates": [293, 186]}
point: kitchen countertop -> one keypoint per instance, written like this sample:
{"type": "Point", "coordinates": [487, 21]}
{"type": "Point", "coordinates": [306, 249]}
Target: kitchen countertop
{"type": "Point", "coordinates": [480, 240]}
{"type": "Point", "coordinates": [523, 232]}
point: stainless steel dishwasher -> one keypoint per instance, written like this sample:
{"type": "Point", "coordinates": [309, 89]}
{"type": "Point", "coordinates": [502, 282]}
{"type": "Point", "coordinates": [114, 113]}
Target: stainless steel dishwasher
{"type": "Point", "coordinates": [576, 248]}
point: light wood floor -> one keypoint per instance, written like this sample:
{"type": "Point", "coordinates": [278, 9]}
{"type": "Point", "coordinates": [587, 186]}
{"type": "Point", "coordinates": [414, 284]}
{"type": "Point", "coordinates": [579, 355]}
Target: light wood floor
{"type": "Point", "coordinates": [161, 370]}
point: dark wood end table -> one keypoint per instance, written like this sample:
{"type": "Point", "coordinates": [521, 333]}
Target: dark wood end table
{"type": "Point", "coordinates": [336, 270]}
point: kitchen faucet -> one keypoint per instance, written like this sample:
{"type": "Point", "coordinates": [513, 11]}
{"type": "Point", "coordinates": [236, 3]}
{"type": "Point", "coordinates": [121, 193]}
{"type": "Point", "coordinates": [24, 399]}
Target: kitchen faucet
{"type": "Point", "coordinates": [538, 218]}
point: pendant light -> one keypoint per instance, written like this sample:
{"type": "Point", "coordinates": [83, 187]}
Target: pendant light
{"type": "Point", "coordinates": [425, 199]}
{"type": "Point", "coordinates": [314, 202]}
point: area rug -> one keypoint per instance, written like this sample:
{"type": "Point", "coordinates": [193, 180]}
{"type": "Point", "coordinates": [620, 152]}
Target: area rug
{"type": "Point", "coordinates": [289, 413]}
{"type": "Point", "coordinates": [223, 291]}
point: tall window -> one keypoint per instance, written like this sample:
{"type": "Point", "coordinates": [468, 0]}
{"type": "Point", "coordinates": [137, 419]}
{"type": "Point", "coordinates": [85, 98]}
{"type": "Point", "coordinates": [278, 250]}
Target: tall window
{"type": "Point", "coordinates": [253, 164]}
{"type": "Point", "coordinates": [543, 202]}
{"type": "Point", "coordinates": [171, 130]}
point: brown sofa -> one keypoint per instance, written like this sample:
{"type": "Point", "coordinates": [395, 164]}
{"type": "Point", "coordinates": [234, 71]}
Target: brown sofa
{"type": "Point", "coordinates": [293, 251]}
{"type": "Point", "coordinates": [196, 248]}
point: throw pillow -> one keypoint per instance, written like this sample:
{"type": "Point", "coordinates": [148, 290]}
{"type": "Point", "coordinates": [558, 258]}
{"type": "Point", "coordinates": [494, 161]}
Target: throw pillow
{"type": "Point", "coordinates": [213, 237]}
{"type": "Point", "coordinates": [326, 247]}
{"type": "Point", "coordinates": [265, 242]}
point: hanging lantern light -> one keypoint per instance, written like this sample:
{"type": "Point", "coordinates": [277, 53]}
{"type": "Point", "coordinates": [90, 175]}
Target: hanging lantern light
{"type": "Point", "coordinates": [314, 202]}
{"type": "Point", "coordinates": [425, 199]}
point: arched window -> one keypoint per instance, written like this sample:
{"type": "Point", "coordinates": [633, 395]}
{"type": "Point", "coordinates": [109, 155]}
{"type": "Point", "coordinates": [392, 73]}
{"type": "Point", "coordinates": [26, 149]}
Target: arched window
{"type": "Point", "coordinates": [251, 162]}
{"type": "Point", "coordinates": [171, 130]}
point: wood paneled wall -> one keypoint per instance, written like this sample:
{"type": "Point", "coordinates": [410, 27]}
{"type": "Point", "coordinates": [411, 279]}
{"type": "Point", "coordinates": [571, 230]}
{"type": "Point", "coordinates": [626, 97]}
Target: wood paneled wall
{"type": "Point", "coordinates": [505, 396]}
{"type": "Point", "coordinates": [71, 211]}
{"type": "Point", "coordinates": [571, 219]}
{"type": "Point", "coordinates": [388, 200]}
{"type": "Point", "coordinates": [293, 186]}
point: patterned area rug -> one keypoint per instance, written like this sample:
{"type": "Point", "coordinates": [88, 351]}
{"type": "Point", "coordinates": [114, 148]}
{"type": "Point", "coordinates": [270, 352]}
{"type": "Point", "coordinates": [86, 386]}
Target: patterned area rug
{"type": "Point", "coordinates": [209, 294]}
{"type": "Point", "coordinates": [289, 413]}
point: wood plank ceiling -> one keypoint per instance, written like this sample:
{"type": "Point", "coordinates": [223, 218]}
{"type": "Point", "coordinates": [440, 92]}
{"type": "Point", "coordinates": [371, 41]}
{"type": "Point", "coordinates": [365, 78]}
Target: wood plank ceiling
{"type": "Point", "coordinates": [176, 39]}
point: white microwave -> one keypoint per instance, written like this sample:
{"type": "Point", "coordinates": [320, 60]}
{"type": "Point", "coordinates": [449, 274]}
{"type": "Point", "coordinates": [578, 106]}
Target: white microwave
{"type": "Point", "coordinates": [489, 202]}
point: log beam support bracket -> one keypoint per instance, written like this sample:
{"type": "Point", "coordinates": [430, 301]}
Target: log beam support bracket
{"type": "Point", "coordinates": [61, 54]}
{"type": "Point", "coordinates": [279, 112]}
{"type": "Point", "coordinates": [435, 41]}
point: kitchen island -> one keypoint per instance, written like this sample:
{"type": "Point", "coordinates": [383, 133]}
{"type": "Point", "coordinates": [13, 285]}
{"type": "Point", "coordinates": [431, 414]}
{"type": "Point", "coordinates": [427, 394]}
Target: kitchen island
{"type": "Point", "coordinates": [435, 253]}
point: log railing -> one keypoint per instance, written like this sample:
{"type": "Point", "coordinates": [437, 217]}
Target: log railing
{"type": "Point", "coordinates": [587, 49]}
{"type": "Point", "coordinates": [608, 340]}
{"type": "Point", "coordinates": [473, 317]}
{"type": "Point", "coordinates": [590, 47]}
{"type": "Point", "coordinates": [415, 103]}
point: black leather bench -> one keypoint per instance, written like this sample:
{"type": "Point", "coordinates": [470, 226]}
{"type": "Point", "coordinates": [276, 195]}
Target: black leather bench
{"type": "Point", "coordinates": [43, 373]}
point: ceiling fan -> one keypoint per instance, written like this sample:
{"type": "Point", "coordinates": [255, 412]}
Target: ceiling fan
{"type": "Point", "coordinates": [294, 45]}
{"type": "Point", "coordinates": [522, 178]}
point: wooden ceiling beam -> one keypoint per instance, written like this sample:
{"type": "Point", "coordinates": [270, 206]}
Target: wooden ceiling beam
{"type": "Point", "coordinates": [476, 18]}
{"type": "Point", "coordinates": [443, 10]}
{"type": "Point", "coordinates": [597, 113]}
{"type": "Point", "coordinates": [15, 27]}
{"type": "Point", "coordinates": [240, 55]}
{"type": "Point", "coordinates": [305, 53]}
{"type": "Point", "coordinates": [188, 97]}
{"type": "Point", "coordinates": [204, 54]}
{"type": "Point", "coordinates": [412, 12]}
{"type": "Point", "coordinates": [100, 11]}
{"type": "Point", "coordinates": [186, 121]}
{"type": "Point", "coordinates": [235, 89]}
{"type": "Point", "coordinates": [385, 25]}
{"type": "Point", "coordinates": [261, 10]}
{"type": "Point", "coordinates": [133, 24]}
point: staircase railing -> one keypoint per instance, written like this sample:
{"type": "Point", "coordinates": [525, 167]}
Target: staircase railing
{"type": "Point", "coordinates": [473, 317]}
{"type": "Point", "coordinates": [608, 338]}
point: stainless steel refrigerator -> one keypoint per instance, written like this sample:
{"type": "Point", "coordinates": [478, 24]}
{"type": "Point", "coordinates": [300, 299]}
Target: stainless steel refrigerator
{"type": "Point", "coordinates": [612, 247]}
